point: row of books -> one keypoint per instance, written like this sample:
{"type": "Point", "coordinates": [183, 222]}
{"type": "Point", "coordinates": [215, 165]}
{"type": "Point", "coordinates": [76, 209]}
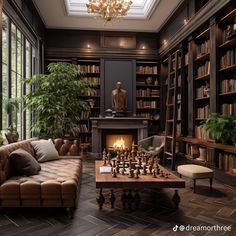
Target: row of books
{"type": "Point", "coordinates": [82, 128]}
{"type": "Point", "coordinates": [146, 104]}
{"type": "Point", "coordinates": [89, 68]}
{"type": "Point", "coordinates": [85, 115]}
{"type": "Point", "coordinates": [147, 115]}
{"type": "Point", "coordinates": [204, 69]}
{"type": "Point", "coordinates": [146, 81]}
{"type": "Point", "coordinates": [147, 92]}
{"type": "Point", "coordinates": [93, 80]}
{"type": "Point", "coordinates": [201, 91]}
{"type": "Point", "coordinates": [202, 48]}
{"type": "Point", "coordinates": [203, 112]}
{"type": "Point", "coordinates": [95, 92]}
{"type": "Point", "coordinates": [228, 85]}
{"type": "Point", "coordinates": [146, 69]}
{"type": "Point", "coordinates": [186, 59]}
{"type": "Point", "coordinates": [173, 64]}
{"type": "Point", "coordinates": [200, 133]}
{"type": "Point", "coordinates": [227, 162]}
{"type": "Point", "coordinates": [228, 59]}
{"type": "Point", "coordinates": [228, 108]}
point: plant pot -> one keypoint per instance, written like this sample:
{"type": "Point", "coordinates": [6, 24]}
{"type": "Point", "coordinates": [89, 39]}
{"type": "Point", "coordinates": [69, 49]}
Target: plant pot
{"type": "Point", "coordinates": [12, 135]}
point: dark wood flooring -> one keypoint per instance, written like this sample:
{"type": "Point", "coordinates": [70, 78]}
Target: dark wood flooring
{"type": "Point", "coordinates": [156, 215]}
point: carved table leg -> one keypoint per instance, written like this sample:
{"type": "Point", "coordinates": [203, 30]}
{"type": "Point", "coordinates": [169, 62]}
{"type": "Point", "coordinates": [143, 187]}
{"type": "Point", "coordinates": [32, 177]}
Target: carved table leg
{"type": "Point", "coordinates": [112, 198]}
{"type": "Point", "coordinates": [130, 200]}
{"type": "Point", "coordinates": [124, 199]}
{"type": "Point", "coordinates": [137, 199]}
{"type": "Point", "coordinates": [100, 200]}
{"type": "Point", "coordinates": [176, 199]}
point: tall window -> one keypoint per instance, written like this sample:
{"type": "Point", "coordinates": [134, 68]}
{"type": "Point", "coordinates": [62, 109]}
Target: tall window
{"type": "Point", "coordinates": [15, 66]}
{"type": "Point", "coordinates": [5, 30]}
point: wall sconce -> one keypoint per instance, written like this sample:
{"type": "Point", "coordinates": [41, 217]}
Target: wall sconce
{"type": "Point", "coordinates": [185, 21]}
{"type": "Point", "coordinates": [143, 47]}
{"type": "Point", "coordinates": [88, 46]}
{"type": "Point", "coordinates": [164, 41]}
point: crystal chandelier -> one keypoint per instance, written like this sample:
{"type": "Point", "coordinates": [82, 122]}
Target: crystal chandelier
{"type": "Point", "coordinates": [109, 9]}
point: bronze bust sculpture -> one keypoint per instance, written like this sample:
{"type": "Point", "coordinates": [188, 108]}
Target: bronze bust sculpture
{"type": "Point", "coordinates": [119, 99]}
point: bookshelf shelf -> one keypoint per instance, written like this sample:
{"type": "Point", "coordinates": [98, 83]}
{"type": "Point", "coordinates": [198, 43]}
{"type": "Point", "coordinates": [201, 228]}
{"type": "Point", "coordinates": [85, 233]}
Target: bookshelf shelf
{"type": "Point", "coordinates": [148, 91]}
{"type": "Point", "coordinates": [202, 99]}
{"type": "Point", "coordinates": [204, 77]}
{"type": "Point", "coordinates": [228, 68]}
{"type": "Point", "coordinates": [228, 94]}
{"type": "Point", "coordinates": [203, 35]}
{"type": "Point", "coordinates": [228, 43]}
{"type": "Point", "coordinates": [203, 57]}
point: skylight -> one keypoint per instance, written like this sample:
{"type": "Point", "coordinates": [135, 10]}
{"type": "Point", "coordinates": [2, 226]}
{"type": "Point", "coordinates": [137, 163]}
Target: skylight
{"type": "Point", "coordinates": [140, 9]}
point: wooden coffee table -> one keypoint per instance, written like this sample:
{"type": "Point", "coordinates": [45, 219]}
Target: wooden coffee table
{"type": "Point", "coordinates": [143, 182]}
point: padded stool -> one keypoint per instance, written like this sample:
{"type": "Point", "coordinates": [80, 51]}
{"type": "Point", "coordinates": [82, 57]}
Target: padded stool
{"type": "Point", "coordinates": [195, 172]}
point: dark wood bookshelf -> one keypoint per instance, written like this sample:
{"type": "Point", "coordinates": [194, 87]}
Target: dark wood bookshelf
{"type": "Point", "coordinates": [203, 35]}
{"type": "Point", "coordinates": [228, 94]}
{"type": "Point", "coordinates": [228, 68]}
{"type": "Point", "coordinates": [202, 99]}
{"type": "Point", "coordinates": [204, 77]}
{"type": "Point", "coordinates": [202, 57]}
{"type": "Point", "coordinates": [228, 43]}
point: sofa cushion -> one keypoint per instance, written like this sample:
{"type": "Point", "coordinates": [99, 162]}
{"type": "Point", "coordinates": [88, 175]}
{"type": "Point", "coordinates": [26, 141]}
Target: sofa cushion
{"type": "Point", "coordinates": [45, 150]}
{"type": "Point", "coordinates": [23, 163]}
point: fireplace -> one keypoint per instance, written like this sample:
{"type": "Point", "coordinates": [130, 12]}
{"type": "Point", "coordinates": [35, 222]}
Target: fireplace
{"type": "Point", "coordinates": [119, 138]}
{"type": "Point", "coordinates": [102, 126]}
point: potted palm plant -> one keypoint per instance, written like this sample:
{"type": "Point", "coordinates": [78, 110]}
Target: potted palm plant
{"type": "Point", "coordinates": [220, 127]}
{"type": "Point", "coordinates": [55, 101]}
{"type": "Point", "coordinates": [11, 106]}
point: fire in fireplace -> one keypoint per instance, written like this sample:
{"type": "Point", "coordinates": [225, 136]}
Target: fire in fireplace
{"type": "Point", "coordinates": [118, 139]}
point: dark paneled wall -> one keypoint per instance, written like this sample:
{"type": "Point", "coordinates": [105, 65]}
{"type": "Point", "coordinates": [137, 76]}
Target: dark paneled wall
{"type": "Point", "coordinates": [98, 44]}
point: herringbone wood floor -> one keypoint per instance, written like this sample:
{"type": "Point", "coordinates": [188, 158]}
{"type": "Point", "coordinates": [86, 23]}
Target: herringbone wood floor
{"type": "Point", "coordinates": [156, 215]}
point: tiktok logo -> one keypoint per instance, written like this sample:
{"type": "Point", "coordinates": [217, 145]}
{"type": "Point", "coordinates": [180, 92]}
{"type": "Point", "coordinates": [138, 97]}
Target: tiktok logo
{"type": "Point", "coordinates": [175, 228]}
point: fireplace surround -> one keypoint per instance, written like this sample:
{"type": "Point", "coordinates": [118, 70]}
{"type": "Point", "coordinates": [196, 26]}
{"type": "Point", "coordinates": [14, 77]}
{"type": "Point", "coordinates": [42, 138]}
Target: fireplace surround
{"type": "Point", "coordinates": [136, 126]}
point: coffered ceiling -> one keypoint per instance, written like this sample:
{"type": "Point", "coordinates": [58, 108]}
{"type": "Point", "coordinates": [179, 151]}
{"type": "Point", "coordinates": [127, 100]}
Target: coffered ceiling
{"type": "Point", "coordinates": [144, 15]}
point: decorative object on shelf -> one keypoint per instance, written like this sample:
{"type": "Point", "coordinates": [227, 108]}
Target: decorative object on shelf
{"type": "Point", "coordinates": [149, 80]}
{"type": "Point", "coordinates": [108, 113]}
{"type": "Point", "coordinates": [202, 154]}
{"type": "Point", "coordinates": [195, 151]}
{"type": "Point", "coordinates": [220, 127]}
{"type": "Point", "coordinates": [11, 106]}
{"type": "Point", "coordinates": [57, 96]}
{"type": "Point", "coordinates": [109, 9]}
{"type": "Point", "coordinates": [206, 90]}
{"type": "Point", "coordinates": [119, 99]}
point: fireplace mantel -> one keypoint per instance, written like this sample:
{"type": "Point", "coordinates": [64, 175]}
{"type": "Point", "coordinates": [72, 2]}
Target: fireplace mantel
{"type": "Point", "coordinates": [100, 123]}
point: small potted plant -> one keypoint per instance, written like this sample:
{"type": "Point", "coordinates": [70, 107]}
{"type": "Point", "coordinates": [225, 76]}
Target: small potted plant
{"type": "Point", "coordinates": [11, 106]}
{"type": "Point", "coordinates": [220, 127]}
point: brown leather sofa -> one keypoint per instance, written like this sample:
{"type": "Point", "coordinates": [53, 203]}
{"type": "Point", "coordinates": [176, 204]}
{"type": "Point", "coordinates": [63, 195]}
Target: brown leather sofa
{"type": "Point", "coordinates": [56, 185]}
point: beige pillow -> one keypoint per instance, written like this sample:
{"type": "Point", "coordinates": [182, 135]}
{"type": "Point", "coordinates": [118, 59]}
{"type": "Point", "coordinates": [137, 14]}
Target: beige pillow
{"type": "Point", "coordinates": [45, 150]}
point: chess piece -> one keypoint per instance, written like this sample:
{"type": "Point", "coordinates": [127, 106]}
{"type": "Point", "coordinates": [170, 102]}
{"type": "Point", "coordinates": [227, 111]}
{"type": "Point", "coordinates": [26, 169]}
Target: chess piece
{"type": "Point", "coordinates": [136, 174]}
{"type": "Point", "coordinates": [100, 200]}
{"type": "Point", "coordinates": [122, 157]}
{"type": "Point", "coordinates": [154, 174]}
{"type": "Point", "coordinates": [167, 175]}
{"type": "Point", "coordinates": [114, 173]}
{"type": "Point", "coordinates": [137, 199]}
{"type": "Point", "coordinates": [109, 157]}
{"type": "Point", "coordinates": [138, 170]}
{"type": "Point", "coordinates": [144, 172]}
{"type": "Point", "coordinates": [131, 173]}
{"type": "Point", "coordinates": [150, 169]}
{"type": "Point", "coordinates": [112, 198]}
{"type": "Point", "coordinates": [117, 168]}
{"type": "Point", "coordinates": [162, 173]}
{"type": "Point", "coordinates": [104, 161]}
{"type": "Point", "coordinates": [114, 163]}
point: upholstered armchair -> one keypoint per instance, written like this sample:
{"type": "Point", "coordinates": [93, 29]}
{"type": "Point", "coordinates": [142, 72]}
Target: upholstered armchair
{"type": "Point", "coordinates": [154, 145]}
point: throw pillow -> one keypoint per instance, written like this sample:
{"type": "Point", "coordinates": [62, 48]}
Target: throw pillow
{"type": "Point", "coordinates": [45, 150]}
{"type": "Point", "coordinates": [23, 163]}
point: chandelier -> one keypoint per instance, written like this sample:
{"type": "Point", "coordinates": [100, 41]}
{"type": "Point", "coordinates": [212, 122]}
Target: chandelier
{"type": "Point", "coordinates": [109, 9]}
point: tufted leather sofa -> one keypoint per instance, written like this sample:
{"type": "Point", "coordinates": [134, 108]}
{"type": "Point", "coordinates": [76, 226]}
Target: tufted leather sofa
{"type": "Point", "coordinates": [56, 185]}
